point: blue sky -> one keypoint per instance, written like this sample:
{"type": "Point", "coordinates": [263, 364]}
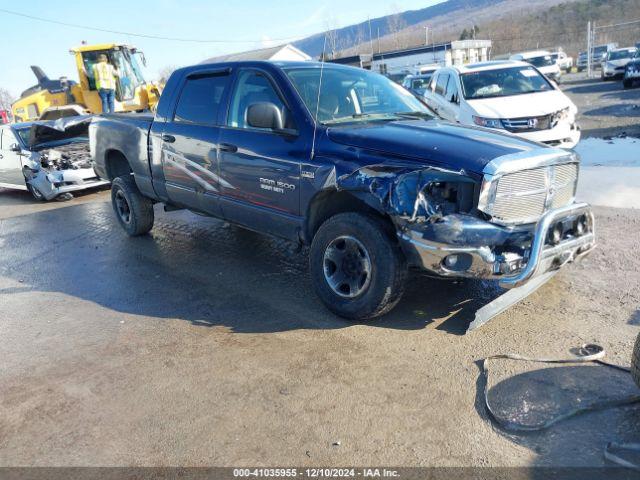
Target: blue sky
{"type": "Point", "coordinates": [30, 42]}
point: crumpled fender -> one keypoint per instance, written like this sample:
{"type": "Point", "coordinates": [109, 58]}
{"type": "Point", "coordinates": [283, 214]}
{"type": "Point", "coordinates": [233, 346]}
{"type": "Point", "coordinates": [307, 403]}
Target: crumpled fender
{"type": "Point", "coordinates": [399, 190]}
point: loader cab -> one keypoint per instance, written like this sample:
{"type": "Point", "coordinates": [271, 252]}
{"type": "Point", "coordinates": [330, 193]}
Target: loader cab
{"type": "Point", "coordinates": [125, 60]}
{"type": "Point", "coordinates": [133, 92]}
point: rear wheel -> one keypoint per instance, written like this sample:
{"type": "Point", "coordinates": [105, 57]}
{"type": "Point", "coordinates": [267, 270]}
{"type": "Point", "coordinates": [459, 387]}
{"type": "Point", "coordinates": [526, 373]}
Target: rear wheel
{"type": "Point", "coordinates": [357, 268]}
{"type": "Point", "coordinates": [635, 362]}
{"type": "Point", "coordinates": [133, 210]}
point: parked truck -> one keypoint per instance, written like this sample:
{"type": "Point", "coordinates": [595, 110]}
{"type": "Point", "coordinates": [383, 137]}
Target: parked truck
{"type": "Point", "coordinates": [353, 165]}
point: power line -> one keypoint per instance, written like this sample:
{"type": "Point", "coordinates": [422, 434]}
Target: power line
{"type": "Point", "coordinates": [140, 35]}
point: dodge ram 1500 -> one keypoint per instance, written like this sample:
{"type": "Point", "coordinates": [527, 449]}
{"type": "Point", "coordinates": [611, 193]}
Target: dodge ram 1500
{"type": "Point", "coordinates": [345, 161]}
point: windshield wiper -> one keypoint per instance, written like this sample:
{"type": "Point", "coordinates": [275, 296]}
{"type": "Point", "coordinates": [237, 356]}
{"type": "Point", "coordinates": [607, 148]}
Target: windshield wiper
{"type": "Point", "coordinates": [358, 116]}
{"type": "Point", "coordinates": [414, 114]}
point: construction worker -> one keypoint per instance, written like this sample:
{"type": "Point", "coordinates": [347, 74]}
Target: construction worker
{"type": "Point", "coordinates": [105, 75]}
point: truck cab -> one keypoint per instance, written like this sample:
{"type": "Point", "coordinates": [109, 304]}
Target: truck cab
{"type": "Point", "coordinates": [355, 166]}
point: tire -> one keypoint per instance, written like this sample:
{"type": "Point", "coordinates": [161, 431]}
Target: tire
{"type": "Point", "coordinates": [635, 362]}
{"type": "Point", "coordinates": [132, 209]}
{"type": "Point", "coordinates": [627, 84]}
{"type": "Point", "coordinates": [35, 193]}
{"type": "Point", "coordinates": [372, 266]}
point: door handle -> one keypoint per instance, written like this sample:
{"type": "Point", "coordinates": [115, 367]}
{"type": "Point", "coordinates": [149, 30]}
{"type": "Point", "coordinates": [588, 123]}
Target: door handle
{"type": "Point", "coordinates": [227, 147]}
{"type": "Point", "coordinates": [168, 138]}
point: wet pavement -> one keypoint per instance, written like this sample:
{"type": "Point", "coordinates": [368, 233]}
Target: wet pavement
{"type": "Point", "coordinates": [203, 344]}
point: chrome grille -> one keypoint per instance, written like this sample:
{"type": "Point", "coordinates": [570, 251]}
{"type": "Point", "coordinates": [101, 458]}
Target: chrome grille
{"type": "Point", "coordinates": [528, 124]}
{"type": "Point", "coordinates": [524, 196]}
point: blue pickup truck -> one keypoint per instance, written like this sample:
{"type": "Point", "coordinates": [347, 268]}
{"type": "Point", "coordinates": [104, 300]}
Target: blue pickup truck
{"type": "Point", "coordinates": [346, 161]}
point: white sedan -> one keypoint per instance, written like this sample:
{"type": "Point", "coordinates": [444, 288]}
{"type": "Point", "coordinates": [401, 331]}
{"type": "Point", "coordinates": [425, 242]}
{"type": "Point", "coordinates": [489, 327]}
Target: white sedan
{"type": "Point", "coordinates": [510, 96]}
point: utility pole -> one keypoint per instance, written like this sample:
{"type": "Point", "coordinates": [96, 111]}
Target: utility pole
{"type": "Point", "coordinates": [378, 39]}
{"type": "Point", "coordinates": [370, 37]}
{"type": "Point", "coordinates": [426, 35]}
{"type": "Point", "coordinates": [589, 49]}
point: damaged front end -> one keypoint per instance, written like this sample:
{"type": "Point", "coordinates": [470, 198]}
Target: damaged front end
{"type": "Point", "coordinates": [442, 230]}
{"type": "Point", "coordinates": [59, 160]}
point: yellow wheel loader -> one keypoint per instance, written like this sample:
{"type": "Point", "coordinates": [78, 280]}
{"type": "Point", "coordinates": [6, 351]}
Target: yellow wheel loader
{"type": "Point", "coordinates": [52, 99]}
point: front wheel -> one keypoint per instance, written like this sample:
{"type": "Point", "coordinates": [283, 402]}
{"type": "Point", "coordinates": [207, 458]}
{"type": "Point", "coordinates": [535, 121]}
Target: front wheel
{"type": "Point", "coordinates": [35, 193]}
{"type": "Point", "coordinates": [133, 210]}
{"type": "Point", "coordinates": [635, 362]}
{"type": "Point", "coordinates": [357, 268]}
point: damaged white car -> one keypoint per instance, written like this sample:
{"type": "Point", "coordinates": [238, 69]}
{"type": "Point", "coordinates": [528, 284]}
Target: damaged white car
{"type": "Point", "coordinates": [49, 159]}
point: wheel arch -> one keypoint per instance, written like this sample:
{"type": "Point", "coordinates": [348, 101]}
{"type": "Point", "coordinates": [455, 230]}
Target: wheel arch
{"type": "Point", "coordinates": [329, 202]}
{"type": "Point", "coordinates": [116, 164]}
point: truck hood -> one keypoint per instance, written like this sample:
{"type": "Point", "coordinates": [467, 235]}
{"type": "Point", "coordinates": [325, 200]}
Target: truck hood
{"type": "Point", "coordinates": [520, 106]}
{"type": "Point", "coordinates": [432, 142]}
{"type": "Point", "coordinates": [61, 129]}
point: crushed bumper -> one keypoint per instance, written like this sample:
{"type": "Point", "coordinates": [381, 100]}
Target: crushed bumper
{"type": "Point", "coordinates": [478, 249]}
{"type": "Point", "coordinates": [66, 181]}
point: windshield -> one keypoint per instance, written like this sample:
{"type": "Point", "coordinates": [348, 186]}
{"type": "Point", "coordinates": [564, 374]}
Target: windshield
{"type": "Point", "coordinates": [600, 50]}
{"type": "Point", "coordinates": [420, 84]}
{"type": "Point", "coordinates": [24, 134]}
{"type": "Point", "coordinates": [503, 82]}
{"type": "Point", "coordinates": [542, 61]}
{"type": "Point", "coordinates": [620, 55]}
{"type": "Point", "coordinates": [352, 95]}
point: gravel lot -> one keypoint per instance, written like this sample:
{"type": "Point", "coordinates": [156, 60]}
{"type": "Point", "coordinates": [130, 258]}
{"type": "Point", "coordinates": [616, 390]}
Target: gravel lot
{"type": "Point", "coordinates": [203, 344]}
{"type": "Point", "coordinates": [605, 109]}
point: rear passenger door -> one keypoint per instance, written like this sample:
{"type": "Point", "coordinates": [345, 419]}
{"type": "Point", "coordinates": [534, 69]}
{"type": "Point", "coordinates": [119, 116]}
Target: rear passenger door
{"type": "Point", "coordinates": [260, 167]}
{"type": "Point", "coordinates": [190, 142]}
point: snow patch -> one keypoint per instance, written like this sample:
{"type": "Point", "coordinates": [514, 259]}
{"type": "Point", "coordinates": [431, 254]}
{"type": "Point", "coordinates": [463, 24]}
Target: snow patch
{"type": "Point", "coordinates": [616, 152]}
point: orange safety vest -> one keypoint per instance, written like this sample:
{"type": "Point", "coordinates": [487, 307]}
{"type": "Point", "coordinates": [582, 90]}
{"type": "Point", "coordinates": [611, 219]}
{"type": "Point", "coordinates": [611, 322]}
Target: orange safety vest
{"type": "Point", "coordinates": [105, 78]}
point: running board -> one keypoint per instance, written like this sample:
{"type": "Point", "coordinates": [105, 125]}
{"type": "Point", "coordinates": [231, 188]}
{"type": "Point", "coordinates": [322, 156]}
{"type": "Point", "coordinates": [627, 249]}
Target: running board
{"type": "Point", "coordinates": [508, 299]}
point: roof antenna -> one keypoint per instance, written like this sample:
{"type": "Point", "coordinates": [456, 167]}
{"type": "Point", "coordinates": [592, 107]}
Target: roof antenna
{"type": "Point", "coordinates": [315, 124]}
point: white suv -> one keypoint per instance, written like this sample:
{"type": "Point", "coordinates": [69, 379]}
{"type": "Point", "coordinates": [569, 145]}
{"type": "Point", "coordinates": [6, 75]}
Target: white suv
{"type": "Point", "coordinates": [513, 97]}
{"type": "Point", "coordinates": [543, 61]}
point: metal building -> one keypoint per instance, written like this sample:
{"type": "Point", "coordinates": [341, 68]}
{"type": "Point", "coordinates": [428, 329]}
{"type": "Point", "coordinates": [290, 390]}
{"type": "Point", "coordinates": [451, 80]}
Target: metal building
{"type": "Point", "coordinates": [409, 60]}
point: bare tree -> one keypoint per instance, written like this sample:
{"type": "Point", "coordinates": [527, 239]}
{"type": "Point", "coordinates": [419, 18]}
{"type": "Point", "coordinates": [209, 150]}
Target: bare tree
{"type": "Point", "coordinates": [6, 99]}
{"type": "Point", "coordinates": [396, 23]}
{"type": "Point", "coordinates": [165, 72]}
{"type": "Point", "coordinates": [331, 32]}
{"type": "Point", "coordinates": [360, 38]}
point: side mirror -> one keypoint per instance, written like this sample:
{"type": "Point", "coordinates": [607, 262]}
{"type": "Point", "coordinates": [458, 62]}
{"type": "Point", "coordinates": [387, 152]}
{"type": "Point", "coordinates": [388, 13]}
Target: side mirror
{"type": "Point", "coordinates": [454, 98]}
{"type": "Point", "coordinates": [15, 148]}
{"type": "Point", "coordinates": [265, 115]}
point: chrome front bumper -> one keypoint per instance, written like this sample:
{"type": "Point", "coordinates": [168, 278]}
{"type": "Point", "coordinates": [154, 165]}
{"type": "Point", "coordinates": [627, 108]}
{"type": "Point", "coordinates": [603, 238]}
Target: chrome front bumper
{"type": "Point", "coordinates": [511, 269]}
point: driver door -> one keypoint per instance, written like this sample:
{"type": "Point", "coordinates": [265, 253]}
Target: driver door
{"type": "Point", "coordinates": [451, 100]}
{"type": "Point", "coordinates": [10, 161]}
{"type": "Point", "coordinates": [260, 167]}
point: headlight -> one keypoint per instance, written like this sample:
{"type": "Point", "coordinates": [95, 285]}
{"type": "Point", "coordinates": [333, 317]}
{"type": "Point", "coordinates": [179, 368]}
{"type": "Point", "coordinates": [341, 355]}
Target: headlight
{"type": "Point", "coordinates": [560, 116]}
{"type": "Point", "coordinates": [488, 122]}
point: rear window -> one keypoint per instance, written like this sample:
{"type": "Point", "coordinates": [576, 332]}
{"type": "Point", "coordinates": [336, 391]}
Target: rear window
{"type": "Point", "coordinates": [200, 99]}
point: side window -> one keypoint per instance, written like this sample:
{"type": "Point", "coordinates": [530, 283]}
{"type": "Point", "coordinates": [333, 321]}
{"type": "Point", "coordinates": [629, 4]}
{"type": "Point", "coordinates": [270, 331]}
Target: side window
{"type": "Point", "coordinates": [200, 99]}
{"type": "Point", "coordinates": [254, 87]}
{"type": "Point", "coordinates": [452, 89]}
{"type": "Point", "coordinates": [441, 85]}
{"type": "Point", "coordinates": [432, 82]}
